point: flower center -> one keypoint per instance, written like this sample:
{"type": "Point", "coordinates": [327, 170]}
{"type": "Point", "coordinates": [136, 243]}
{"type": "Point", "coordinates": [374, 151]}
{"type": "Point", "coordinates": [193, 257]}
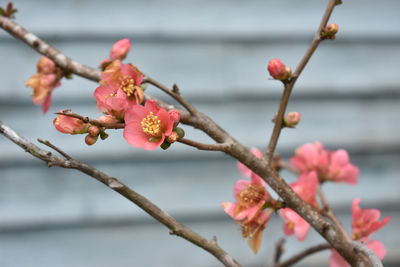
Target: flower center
{"type": "Point", "coordinates": [250, 229]}
{"type": "Point", "coordinates": [151, 125]}
{"type": "Point", "coordinates": [127, 85]}
{"type": "Point", "coordinates": [253, 194]}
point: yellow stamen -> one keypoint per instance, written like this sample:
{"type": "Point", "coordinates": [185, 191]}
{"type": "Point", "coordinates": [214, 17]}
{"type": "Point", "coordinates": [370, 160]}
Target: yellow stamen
{"type": "Point", "coordinates": [251, 195]}
{"type": "Point", "coordinates": [127, 85]}
{"type": "Point", "coordinates": [151, 125]}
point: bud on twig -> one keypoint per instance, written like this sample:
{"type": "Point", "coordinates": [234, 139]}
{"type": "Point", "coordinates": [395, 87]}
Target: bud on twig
{"type": "Point", "coordinates": [93, 131]}
{"type": "Point", "coordinates": [291, 119]}
{"type": "Point", "coordinates": [329, 32]}
{"type": "Point", "coordinates": [90, 140]}
{"type": "Point", "coordinates": [278, 70]}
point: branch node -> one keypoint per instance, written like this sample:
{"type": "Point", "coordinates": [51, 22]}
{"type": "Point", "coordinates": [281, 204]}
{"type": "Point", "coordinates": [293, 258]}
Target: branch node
{"type": "Point", "coordinates": [175, 89]}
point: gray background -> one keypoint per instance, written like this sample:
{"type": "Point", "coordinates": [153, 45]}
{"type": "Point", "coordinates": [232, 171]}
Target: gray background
{"type": "Point", "coordinates": [217, 52]}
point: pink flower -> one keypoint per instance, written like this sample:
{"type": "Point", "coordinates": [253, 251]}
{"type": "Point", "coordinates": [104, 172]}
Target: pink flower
{"type": "Point", "coordinates": [306, 187]}
{"type": "Point", "coordinates": [294, 224]}
{"type": "Point", "coordinates": [278, 70]}
{"type": "Point", "coordinates": [329, 165]}
{"type": "Point", "coordinates": [250, 198]}
{"type": "Point", "coordinates": [112, 101]}
{"type": "Point", "coordinates": [338, 261]}
{"type": "Point", "coordinates": [252, 231]}
{"type": "Point", "coordinates": [70, 125]}
{"type": "Point", "coordinates": [243, 168]}
{"type": "Point", "coordinates": [46, 79]}
{"type": "Point", "coordinates": [365, 221]}
{"type": "Point", "coordinates": [147, 126]}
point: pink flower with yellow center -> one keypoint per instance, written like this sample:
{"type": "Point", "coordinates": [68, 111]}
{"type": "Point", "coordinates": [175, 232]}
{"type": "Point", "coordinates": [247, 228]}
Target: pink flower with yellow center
{"type": "Point", "coordinates": [147, 126]}
{"type": "Point", "coordinates": [294, 224]}
{"type": "Point", "coordinates": [70, 125]}
{"type": "Point", "coordinates": [251, 196]}
{"type": "Point", "coordinates": [46, 79]}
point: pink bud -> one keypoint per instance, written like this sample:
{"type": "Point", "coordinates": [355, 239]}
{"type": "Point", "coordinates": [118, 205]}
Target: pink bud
{"type": "Point", "coordinates": [172, 137]}
{"type": "Point", "coordinates": [329, 32]}
{"type": "Point", "coordinates": [108, 119]}
{"type": "Point", "coordinates": [292, 119]}
{"type": "Point", "coordinates": [174, 115]}
{"type": "Point", "coordinates": [93, 131]}
{"type": "Point", "coordinates": [90, 140]}
{"type": "Point", "coordinates": [278, 70]}
{"type": "Point", "coordinates": [120, 49]}
{"type": "Point", "coordinates": [70, 125]}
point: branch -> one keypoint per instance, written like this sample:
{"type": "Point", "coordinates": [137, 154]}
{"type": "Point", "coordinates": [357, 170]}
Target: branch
{"type": "Point", "coordinates": [289, 85]}
{"type": "Point", "coordinates": [175, 227]}
{"type": "Point", "coordinates": [298, 257]}
{"type": "Point", "coordinates": [69, 113]}
{"type": "Point", "coordinates": [201, 146]}
{"type": "Point", "coordinates": [174, 94]}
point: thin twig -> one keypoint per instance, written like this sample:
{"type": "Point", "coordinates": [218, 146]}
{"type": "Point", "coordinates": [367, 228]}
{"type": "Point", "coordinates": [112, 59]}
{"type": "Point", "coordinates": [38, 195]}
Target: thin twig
{"type": "Point", "coordinates": [175, 227]}
{"type": "Point", "coordinates": [289, 85]}
{"type": "Point", "coordinates": [47, 143]}
{"type": "Point", "coordinates": [174, 93]}
{"type": "Point", "coordinates": [279, 250]}
{"type": "Point", "coordinates": [326, 209]}
{"type": "Point", "coordinates": [201, 146]}
{"type": "Point", "coordinates": [298, 257]}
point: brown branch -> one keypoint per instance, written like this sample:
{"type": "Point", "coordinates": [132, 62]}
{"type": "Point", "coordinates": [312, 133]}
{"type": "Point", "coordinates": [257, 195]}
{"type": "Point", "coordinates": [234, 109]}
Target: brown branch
{"type": "Point", "coordinates": [290, 84]}
{"type": "Point", "coordinates": [327, 211]}
{"type": "Point", "coordinates": [174, 93]}
{"type": "Point", "coordinates": [201, 146]}
{"type": "Point", "coordinates": [175, 227]}
{"type": "Point", "coordinates": [234, 149]}
{"type": "Point", "coordinates": [61, 152]}
{"type": "Point", "coordinates": [298, 257]}
{"type": "Point", "coordinates": [279, 250]}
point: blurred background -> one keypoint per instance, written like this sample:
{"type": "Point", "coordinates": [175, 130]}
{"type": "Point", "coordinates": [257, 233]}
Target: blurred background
{"type": "Point", "coordinates": [216, 51]}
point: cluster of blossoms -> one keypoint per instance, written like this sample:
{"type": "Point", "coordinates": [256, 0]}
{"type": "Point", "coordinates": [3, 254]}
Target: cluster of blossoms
{"type": "Point", "coordinates": [43, 82]}
{"type": "Point", "coordinates": [314, 165]}
{"type": "Point", "coordinates": [120, 97]}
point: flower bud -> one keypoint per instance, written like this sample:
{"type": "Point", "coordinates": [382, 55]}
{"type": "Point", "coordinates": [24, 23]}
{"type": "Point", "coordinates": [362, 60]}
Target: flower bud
{"type": "Point", "coordinates": [180, 132]}
{"type": "Point", "coordinates": [120, 49]}
{"type": "Point", "coordinates": [93, 131]}
{"type": "Point", "coordinates": [278, 70]}
{"type": "Point", "coordinates": [172, 137]}
{"type": "Point", "coordinates": [108, 119]}
{"type": "Point", "coordinates": [175, 115]}
{"type": "Point", "coordinates": [292, 119]}
{"type": "Point", "coordinates": [70, 125]}
{"type": "Point", "coordinates": [90, 140]}
{"type": "Point", "coordinates": [329, 32]}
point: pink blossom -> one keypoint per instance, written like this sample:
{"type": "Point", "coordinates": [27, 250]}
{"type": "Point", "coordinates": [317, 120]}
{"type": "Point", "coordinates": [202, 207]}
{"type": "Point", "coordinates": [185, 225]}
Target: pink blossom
{"type": "Point", "coordinates": [376, 246]}
{"type": "Point", "coordinates": [365, 221]}
{"type": "Point", "coordinates": [250, 198]}
{"type": "Point", "coordinates": [252, 230]}
{"type": "Point", "coordinates": [294, 224]}
{"type": "Point", "coordinates": [243, 168]}
{"type": "Point", "coordinates": [120, 49]}
{"type": "Point", "coordinates": [70, 125]}
{"type": "Point", "coordinates": [306, 187]}
{"type": "Point", "coordinates": [329, 165]}
{"type": "Point", "coordinates": [112, 101]}
{"type": "Point", "coordinates": [278, 70]}
{"type": "Point", "coordinates": [46, 79]}
{"type": "Point", "coordinates": [147, 126]}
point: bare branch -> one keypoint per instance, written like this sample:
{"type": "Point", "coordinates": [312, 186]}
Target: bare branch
{"type": "Point", "coordinates": [47, 143]}
{"type": "Point", "coordinates": [201, 146]}
{"type": "Point", "coordinates": [175, 227]}
{"type": "Point", "coordinates": [298, 257]}
{"type": "Point", "coordinates": [279, 250]}
{"type": "Point", "coordinates": [289, 85]}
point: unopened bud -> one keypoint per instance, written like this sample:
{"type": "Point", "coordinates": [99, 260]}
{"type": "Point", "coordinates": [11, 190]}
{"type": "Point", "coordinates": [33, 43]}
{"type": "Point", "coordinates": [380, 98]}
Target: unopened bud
{"type": "Point", "coordinates": [292, 119]}
{"type": "Point", "coordinates": [278, 70]}
{"type": "Point", "coordinates": [175, 115]}
{"type": "Point", "coordinates": [69, 125]}
{"type": "Point", "coordinates": [329, 32]}
{"type": "Point", "coordinates": [172, 137]}
{"type": "Point", "coordinates": [120, 49]}
{"type": "Point", "coordinates": [93, 131]}
{"type": "Point", "coordinates": [90, 140]}
{"type": "Point", "coordinates": [180, 132]}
